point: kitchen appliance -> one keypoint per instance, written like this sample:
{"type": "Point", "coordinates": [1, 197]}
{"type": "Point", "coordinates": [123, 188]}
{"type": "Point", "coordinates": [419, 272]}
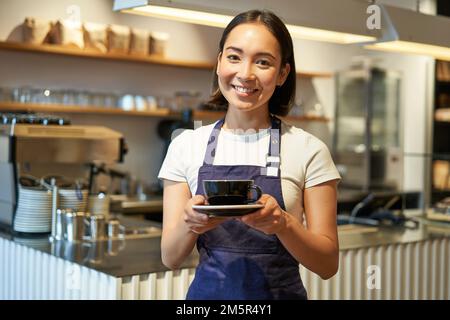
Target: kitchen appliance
{"type": "Point", "coordinates": [366, 144]}
{"type": "Point", "coordinates": [383, 209]}
{"type": "Point", "coordinates": [41, 149]}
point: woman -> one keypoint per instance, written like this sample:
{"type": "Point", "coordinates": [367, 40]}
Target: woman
{"type": "Point", "coordinates": [255, 256]}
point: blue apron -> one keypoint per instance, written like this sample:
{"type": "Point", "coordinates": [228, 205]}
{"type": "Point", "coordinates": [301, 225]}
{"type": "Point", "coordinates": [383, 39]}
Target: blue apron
{"type": "Point", "coordinates": [238, 262]}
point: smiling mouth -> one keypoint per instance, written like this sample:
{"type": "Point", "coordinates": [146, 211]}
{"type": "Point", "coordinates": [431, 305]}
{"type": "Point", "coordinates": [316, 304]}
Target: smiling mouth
{"type": "Point", "coordinates": [244, 89]}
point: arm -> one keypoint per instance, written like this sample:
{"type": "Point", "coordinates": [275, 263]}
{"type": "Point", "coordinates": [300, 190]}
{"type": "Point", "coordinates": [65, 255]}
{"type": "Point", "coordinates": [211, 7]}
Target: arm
{"type": "Point", "coordinates": [316, 247]}
{"type": "Point", "coordinates": [177, 241]}
{"type": "Point", "coordinates": [181, 224]}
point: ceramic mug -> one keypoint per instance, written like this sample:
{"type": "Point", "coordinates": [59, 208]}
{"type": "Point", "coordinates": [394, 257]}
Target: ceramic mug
{"type": "Point", "coordinates": [231, 192]}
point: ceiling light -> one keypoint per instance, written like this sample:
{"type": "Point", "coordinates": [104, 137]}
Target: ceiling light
{"type": "Point", "coordinates": [296, 15]}
{"type": "Point", "coordinates": [414, 33]}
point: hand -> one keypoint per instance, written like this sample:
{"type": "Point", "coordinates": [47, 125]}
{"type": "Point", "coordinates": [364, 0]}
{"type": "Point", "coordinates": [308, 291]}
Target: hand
{"type": "Point", "coordinates": [271, 219]}
{"type": "Point", "coordinates": [199, 222]}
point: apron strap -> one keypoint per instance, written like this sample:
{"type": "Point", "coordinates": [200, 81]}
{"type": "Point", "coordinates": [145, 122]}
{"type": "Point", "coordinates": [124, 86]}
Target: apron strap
{"type": "Point", "coordinates": [273, 158]}
{"type": "Point", "coordinates": [212, 143]}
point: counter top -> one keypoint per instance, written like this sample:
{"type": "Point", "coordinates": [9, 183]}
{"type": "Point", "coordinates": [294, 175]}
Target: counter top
{"type": "Point", "coordinates": [363, 236]}
{"type": "Point", "coordinates": [121, 258]}
{"type": "Point", "coordinates": [118, 257]}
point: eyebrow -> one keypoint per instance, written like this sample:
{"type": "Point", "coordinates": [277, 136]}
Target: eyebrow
{"type": "Point", "coordinates": [259, 53]}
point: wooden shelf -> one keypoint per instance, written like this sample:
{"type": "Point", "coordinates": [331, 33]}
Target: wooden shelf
{"type": "Point", "coordinates": [212, 115]}
{"type": "Point", "coordinates": [158, 113]}
{"type": "Point", "coordinates": [74, 52]}
{"type": "Point", "coordinates": [35, 107]}
{"type": "Point", "coordinates": [314, 74]}
{"type": "Point", "coordinates": [85, 53]}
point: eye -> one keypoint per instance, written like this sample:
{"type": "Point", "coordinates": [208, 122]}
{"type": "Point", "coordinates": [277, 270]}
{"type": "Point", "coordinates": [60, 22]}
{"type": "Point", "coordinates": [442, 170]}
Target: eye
{"type": "Point", "coordinates": [233, 57]}
{"type": "Point", "coordinates": [263, 63]}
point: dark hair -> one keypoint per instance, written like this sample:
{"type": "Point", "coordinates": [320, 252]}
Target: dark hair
{"type": "Point", "coordinates": [284, 96]}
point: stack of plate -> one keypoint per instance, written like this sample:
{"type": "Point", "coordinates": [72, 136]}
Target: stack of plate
{"type": "Point", "coordinates": [33, 210]}
{"type": "Point", "coordinates": [73, 199]}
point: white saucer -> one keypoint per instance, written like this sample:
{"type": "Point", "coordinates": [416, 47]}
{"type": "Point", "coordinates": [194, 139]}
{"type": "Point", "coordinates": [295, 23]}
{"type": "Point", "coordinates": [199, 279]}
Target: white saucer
{"type": "Point", "coordinates": [228, 210]}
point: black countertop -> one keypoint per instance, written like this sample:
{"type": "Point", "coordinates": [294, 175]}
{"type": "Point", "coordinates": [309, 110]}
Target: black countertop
{"type": "Point", "coordinates": [118, 257]}
{"type": "Point", "coordinates": [128, 257]}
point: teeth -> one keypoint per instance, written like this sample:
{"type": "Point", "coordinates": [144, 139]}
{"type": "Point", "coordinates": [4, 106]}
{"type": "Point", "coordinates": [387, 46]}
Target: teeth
{"type": "Point", "coordinates": [243, 90]}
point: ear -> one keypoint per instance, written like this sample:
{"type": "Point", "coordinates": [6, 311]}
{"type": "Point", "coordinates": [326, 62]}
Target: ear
{"type": "Point", "coordinates": [218, 62]}
{"type": "Point", "coordinates": [284, 72]}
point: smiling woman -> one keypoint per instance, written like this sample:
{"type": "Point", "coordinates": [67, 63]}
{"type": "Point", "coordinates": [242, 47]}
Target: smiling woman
{"type": "Point", "coordinates": [256, 48]}
{"type": "Point", "coordinates": [255, 255]}
{"type": "Point", "coordinates": [250, 68]}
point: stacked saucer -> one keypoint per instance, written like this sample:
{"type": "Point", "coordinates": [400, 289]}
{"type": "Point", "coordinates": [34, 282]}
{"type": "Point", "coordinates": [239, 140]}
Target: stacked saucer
{"type": "Point", "coordinates": [34, 209]}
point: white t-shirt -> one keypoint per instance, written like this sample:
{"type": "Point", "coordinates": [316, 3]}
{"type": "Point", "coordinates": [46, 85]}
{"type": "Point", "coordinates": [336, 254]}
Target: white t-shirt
{"type": "Point", "coordinates": [305, 160]}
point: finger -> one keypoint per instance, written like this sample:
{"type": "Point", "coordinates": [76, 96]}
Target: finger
{"type": "Point", "coordinates": [259, 222]}
{"type": "Point", "coordinates": [257, 214]}
{"type": "Point", "coordinates": [199, 216]}
{"type": "Point", "coordinates": [262, 216]}
{"type": "Point", "coordinates": [265, 226]}
{"type": "Point", "coordinates": [195, 217]}
{"type": "Point", "coordinates": [197, 226]}
{"type": "Point", "coordinates": [264, 198]}
{"type": "Point", "coordinates": [219, 219]}
{"type": "Point", "coordinates": [198, 199]}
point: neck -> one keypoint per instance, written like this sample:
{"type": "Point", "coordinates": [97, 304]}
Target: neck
{"type": "Point", "coordinates": [255, 119]}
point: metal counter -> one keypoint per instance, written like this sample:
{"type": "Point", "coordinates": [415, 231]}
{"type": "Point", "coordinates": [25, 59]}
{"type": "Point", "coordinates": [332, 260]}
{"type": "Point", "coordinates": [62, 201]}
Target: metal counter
{"type": "Point", "coordinates": [120, 258]}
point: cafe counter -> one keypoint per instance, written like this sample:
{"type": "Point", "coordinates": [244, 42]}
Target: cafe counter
{"type": "Point", "coordinates": [375, 263]}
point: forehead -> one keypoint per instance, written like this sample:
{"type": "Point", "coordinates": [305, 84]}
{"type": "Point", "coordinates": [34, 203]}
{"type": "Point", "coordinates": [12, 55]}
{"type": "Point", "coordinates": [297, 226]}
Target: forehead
{"type": "Point", "coordinates": [253, 38]}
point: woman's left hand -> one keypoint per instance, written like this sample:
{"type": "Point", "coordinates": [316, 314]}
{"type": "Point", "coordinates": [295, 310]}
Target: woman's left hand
{"type": "Point", "coordinates": [271, 219]}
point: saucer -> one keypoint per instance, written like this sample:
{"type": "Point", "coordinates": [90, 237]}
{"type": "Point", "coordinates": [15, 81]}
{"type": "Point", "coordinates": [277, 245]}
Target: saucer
{"type": "Point", "coordinates": [228, 210]}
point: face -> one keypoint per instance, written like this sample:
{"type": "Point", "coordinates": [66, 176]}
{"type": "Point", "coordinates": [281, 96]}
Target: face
{"type": "Point", "coordinates": [249, 68]}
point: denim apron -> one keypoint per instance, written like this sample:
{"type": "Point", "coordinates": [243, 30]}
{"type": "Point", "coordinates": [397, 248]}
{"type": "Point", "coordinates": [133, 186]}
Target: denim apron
{"type": "Point", "coordinates": [238, 262]}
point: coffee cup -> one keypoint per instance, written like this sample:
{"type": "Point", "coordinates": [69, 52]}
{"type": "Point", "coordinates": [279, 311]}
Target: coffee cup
{"type": "Point", "coordinates": [231, 192]}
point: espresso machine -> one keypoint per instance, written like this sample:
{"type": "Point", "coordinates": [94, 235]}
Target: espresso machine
{"type": "Point", "coordinates": [42, 148]}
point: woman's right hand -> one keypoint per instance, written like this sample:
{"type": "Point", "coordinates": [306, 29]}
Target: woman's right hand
{"type": "Point", "coordinates": [199, 222]}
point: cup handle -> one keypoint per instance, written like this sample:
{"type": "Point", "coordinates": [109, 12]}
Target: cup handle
{"type": "Point", "coordinates": [258, 193]}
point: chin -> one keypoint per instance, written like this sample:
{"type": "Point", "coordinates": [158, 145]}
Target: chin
{"type": "Point", "coordinates": [246, 108]}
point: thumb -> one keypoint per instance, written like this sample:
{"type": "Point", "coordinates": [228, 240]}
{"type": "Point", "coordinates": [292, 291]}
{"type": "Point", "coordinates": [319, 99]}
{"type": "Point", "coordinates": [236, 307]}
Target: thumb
{"type": "Point", "coordinates": [198, 199]}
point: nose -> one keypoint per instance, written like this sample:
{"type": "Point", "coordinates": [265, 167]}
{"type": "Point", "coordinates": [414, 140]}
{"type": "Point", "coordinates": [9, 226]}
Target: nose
{"type": "Point", "coordinates": [245, 72]}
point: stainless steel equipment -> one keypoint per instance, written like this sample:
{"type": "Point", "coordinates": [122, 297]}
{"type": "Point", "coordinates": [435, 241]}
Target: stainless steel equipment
{"type": "Point", "coordinates": [74, 226]}
{"type": "Point", "coordinates": [97, 227]}
{"type": "Point", "coordinates": [42, 149]}
{"type": "Point", "coordinates": [115, 229]}
{"type": "Point", "coordinates": [366, 144]}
